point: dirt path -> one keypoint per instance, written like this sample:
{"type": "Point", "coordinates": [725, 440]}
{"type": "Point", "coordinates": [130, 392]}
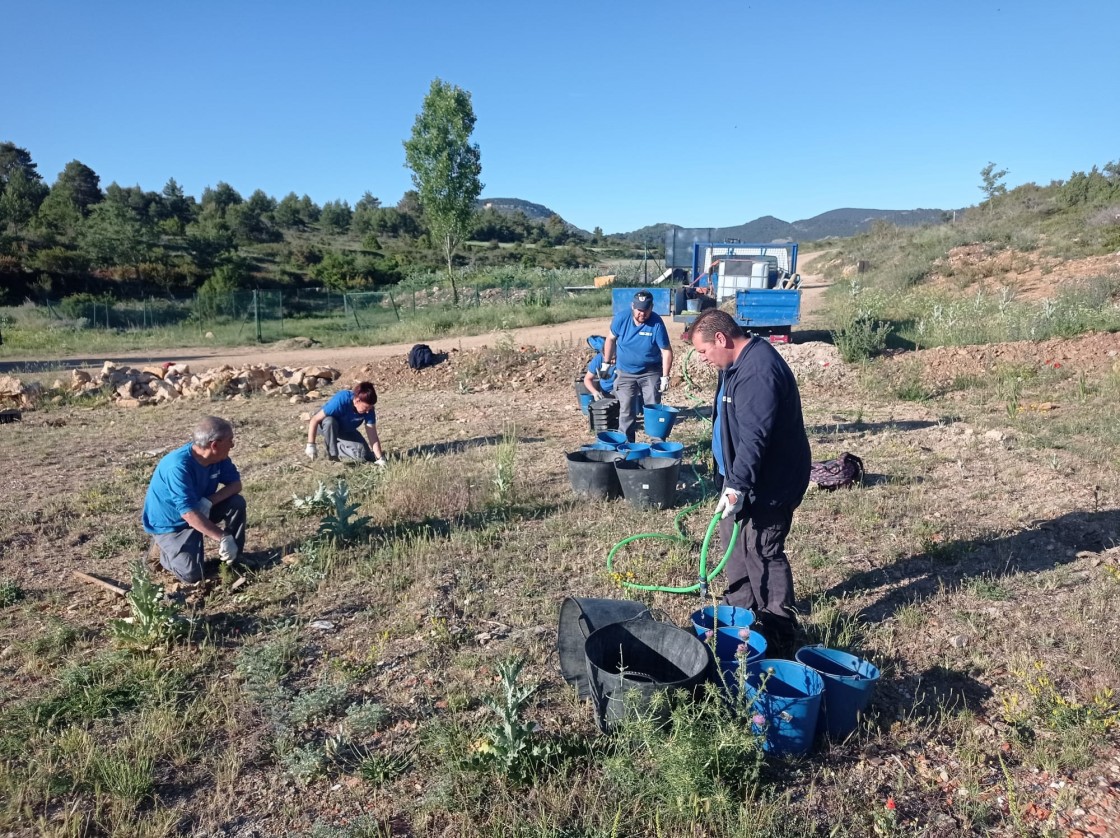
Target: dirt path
{"type": "Point", "coordinates": [813, 286]}
{"type": "Point", "coordinates": [285, 354]}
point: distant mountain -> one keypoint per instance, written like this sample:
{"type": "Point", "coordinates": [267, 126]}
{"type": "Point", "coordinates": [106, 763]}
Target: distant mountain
{"type": "Point", "coordinates": [534, 212]}
{"type": "Point", "coordinates": [838, 223]}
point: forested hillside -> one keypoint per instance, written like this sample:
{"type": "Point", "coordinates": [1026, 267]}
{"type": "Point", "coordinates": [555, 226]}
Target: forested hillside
{"type": "Point", "coordinates": [75, 236]}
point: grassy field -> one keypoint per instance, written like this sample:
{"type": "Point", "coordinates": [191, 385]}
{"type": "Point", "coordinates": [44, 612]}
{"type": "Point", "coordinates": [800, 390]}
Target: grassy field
{"type": "Point", "coordinates": [32, 331]}
{"type": "Point", "coordinates": [361, 680]}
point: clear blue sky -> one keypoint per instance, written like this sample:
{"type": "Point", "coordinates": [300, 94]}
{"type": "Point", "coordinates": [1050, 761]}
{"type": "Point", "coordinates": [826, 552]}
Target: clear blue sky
{"type": "Point", "coordinates": [612, 114]}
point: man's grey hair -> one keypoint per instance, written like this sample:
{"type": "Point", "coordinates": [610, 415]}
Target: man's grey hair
{"type": "Point", "coordinates": [211, 429]}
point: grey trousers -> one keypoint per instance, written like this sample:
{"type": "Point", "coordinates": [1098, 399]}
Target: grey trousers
{"type": "Point", "coordinates": [758, 572]}
{"type": "Point", "coordinates": [353, 446]}
{"type": "Point", "coordinates": [626, 387]}
{"type": "Point", "coordinates": [181, 553]}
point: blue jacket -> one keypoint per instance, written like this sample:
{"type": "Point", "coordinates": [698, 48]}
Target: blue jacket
{"type": "Point", "coordinates": [765, 449]}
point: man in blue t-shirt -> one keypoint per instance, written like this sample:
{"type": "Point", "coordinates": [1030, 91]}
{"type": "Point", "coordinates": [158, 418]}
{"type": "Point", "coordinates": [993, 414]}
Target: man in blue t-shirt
{"type": "Point", "coordinates": [341, 419]}
{"type": "Point", "coordinates": [600, 376]}
{"type": "Point", "coordinates": [639, 347]}
{"type": "Point", "coordinates": [185, 505]}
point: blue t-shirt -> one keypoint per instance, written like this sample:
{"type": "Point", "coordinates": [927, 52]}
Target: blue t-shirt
{"type": "Point", "coordinates": [717, 436]}
{"type": "Point", "coordinates": [603, 374]}
{"type": "Point", "coordinates": [178, 484]}
{"type": "Point", "coordinates": [341, 407]}
{"type": "Point", "coordinates": [639, 347]}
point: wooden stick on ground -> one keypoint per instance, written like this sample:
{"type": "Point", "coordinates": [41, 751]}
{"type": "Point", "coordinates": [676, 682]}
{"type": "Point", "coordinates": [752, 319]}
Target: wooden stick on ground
{"type": "Point", "coordinates": [104, 583]}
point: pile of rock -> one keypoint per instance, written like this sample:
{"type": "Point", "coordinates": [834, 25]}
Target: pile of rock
{"type": "Point", "coordinates": [133, 386]}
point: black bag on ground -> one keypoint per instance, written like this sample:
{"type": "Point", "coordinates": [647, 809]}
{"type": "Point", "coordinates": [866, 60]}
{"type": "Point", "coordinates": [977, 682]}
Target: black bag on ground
{"type": "Point", "coordinates": [421, 356]}
{"type": "Point", "coordinates": [843, 472]}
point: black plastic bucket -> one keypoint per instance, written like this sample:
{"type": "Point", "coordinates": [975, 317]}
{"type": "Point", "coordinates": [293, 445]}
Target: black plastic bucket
{"type": "Point", "coordinates": [602, 415]}
{"type": "Point", "coordinates": [591, 473]}
{"type": "Point", "coordinates": [579, 617]}
{"type": "Point", "coordinates": [629, 663]}
{"type": "Point", "coordinates": [650, 481]}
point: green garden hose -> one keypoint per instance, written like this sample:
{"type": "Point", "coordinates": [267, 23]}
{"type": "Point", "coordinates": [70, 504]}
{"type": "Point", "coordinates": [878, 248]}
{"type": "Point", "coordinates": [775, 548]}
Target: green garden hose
{"type": "Point", "coordinates": [681, 536]}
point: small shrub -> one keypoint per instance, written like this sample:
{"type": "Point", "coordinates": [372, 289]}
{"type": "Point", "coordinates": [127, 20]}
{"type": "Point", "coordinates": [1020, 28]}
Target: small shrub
{"type": "Point", "coordinates": [264, 666]}
{"type": "Point", "coordinates": [861, 338]}
{"type": "Point", "coordinates": [10, 592]}
{"type": "Point", "coordinates": [315, 706]}
{"type": "Point", "coordinates": [154, 621]}
{"type": "Point", "coordinates": [364, 718]}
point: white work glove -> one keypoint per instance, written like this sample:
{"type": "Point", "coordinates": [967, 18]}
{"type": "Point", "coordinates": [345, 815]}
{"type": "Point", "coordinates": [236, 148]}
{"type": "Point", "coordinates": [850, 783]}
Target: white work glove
{"type": "Point", "coordinates": [311, 451]}
{"type": "Point", "coordinates": [381, 461]}
{"type": "Point", "coordinates": [663, 385]}
{"type": "Point", "coordinates": [227, 549]}
{"type": "Point", "coordinates": [204, 507]}
{"type": "Point", "coordinates": [730, 502]}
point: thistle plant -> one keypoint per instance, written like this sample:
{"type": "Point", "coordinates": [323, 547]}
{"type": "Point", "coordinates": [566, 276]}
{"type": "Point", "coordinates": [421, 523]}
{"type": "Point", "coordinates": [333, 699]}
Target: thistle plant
{"type": "Point", "coordinates": [321, 500]}
{"type": "Point", "coordinates": [510, 743]}
{"type": "Point", "coordinates": [503, 471]}
{"type": "Point", "coordinates": [153, 621]}
{"type": "Point", "coordinates": [343, 524]}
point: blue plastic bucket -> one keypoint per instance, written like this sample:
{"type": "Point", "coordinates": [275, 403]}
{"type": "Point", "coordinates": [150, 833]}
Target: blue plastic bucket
{"type": "Point", "coordinates": [585, 400]}
{"type": "Point", "coordinates": [599, 446]}
{"type": "Point", "coordinates": [674, 450]}
{"type": "Point", "coordinates": [729, 666]}
{"type": "Point", "coordinates": [659, 420]}
{"type": "Point", "coordinates": [849, 684]}
{"type": "Point", "coordinates": [788, 704]}
{"type": "Point", "coordinates": [713, 617]}
{"type": "Point", "coordinates": [634, 450]}
{"type": "Point", "coordinates": [613, 437]}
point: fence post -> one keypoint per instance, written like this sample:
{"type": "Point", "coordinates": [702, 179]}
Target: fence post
{"type": "Point", "coordinates": [281, 295]}
{"type": "Point", "coordinates": [393, 303]}
{"type": "Point", "coordinates": [257, 315]}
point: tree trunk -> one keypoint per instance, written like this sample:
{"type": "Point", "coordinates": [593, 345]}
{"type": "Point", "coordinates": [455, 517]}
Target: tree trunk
{"type": "Point", "coordinates": [447, 251]}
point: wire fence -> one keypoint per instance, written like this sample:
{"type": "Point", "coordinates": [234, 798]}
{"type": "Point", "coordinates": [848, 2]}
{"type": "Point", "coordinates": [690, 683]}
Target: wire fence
{"type": "Point", "coordinates": [271, 314]}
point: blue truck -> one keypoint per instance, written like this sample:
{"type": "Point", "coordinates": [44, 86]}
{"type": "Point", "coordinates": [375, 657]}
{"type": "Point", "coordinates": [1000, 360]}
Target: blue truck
{"type": "Point", "coordinates": [759, 279]}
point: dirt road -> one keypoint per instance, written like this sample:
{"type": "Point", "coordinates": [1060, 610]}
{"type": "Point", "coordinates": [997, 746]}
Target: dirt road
{"type": "Point", "coordinates": [285, 354]}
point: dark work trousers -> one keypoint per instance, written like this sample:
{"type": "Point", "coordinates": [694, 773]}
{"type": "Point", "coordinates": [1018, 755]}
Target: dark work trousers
{"type": "Point", "coordinates": [181, 553]}
{"type": "Point", "coordinates": [758, 571]}
{"type": "Point", "coordinates": [354, 447]}
{"type": "Point", "coordinates": [626, 387]}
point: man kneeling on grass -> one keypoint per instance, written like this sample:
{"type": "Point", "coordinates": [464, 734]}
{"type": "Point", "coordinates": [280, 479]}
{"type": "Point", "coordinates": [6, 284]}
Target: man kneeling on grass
{"type": "Point", "coordinates": [184, 504]}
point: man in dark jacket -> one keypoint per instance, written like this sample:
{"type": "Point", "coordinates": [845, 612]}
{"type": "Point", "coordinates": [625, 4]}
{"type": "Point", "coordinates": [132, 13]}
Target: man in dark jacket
{"type": "Point", "coordinates": [762, 453]}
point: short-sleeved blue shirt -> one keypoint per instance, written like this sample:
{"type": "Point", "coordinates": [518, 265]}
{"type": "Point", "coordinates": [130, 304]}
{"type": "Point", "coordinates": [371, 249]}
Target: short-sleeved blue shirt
{"type": "Point", "coordinates": [603, 373]}
{"type": "Point", "coordinates": [341, 407]}
{"type": "Point", "coordinates": [639, 347]}
{"type": "Point", "coordinates": [178, 484]}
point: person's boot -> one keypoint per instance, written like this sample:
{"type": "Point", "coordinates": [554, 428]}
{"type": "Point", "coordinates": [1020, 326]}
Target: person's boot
{"type": "Point", "coordinates": [780, 634]}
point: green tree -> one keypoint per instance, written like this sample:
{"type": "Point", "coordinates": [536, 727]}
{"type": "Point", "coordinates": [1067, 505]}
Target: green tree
{"type": "Point", "coordinates": [114, 235]}
{"type": "Point", "coordinates": [13, 158]}
{"type": "Point", "coordinates": [249, 220]}
{"type": "Point", "coordinates": [76, 189]}
{"type": "Point", "coordinates": [20, 197]}
{"type": "Point", "coordinates": [335, 217]}
{"type": "Point", "coordinates": [21, 186]}
{"type": "Point", "coordinates": [445, 167]}
{"type": "Point", "coordinates": [992, 182]}
{"type": "Point", "coordinates": [174, 210]}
